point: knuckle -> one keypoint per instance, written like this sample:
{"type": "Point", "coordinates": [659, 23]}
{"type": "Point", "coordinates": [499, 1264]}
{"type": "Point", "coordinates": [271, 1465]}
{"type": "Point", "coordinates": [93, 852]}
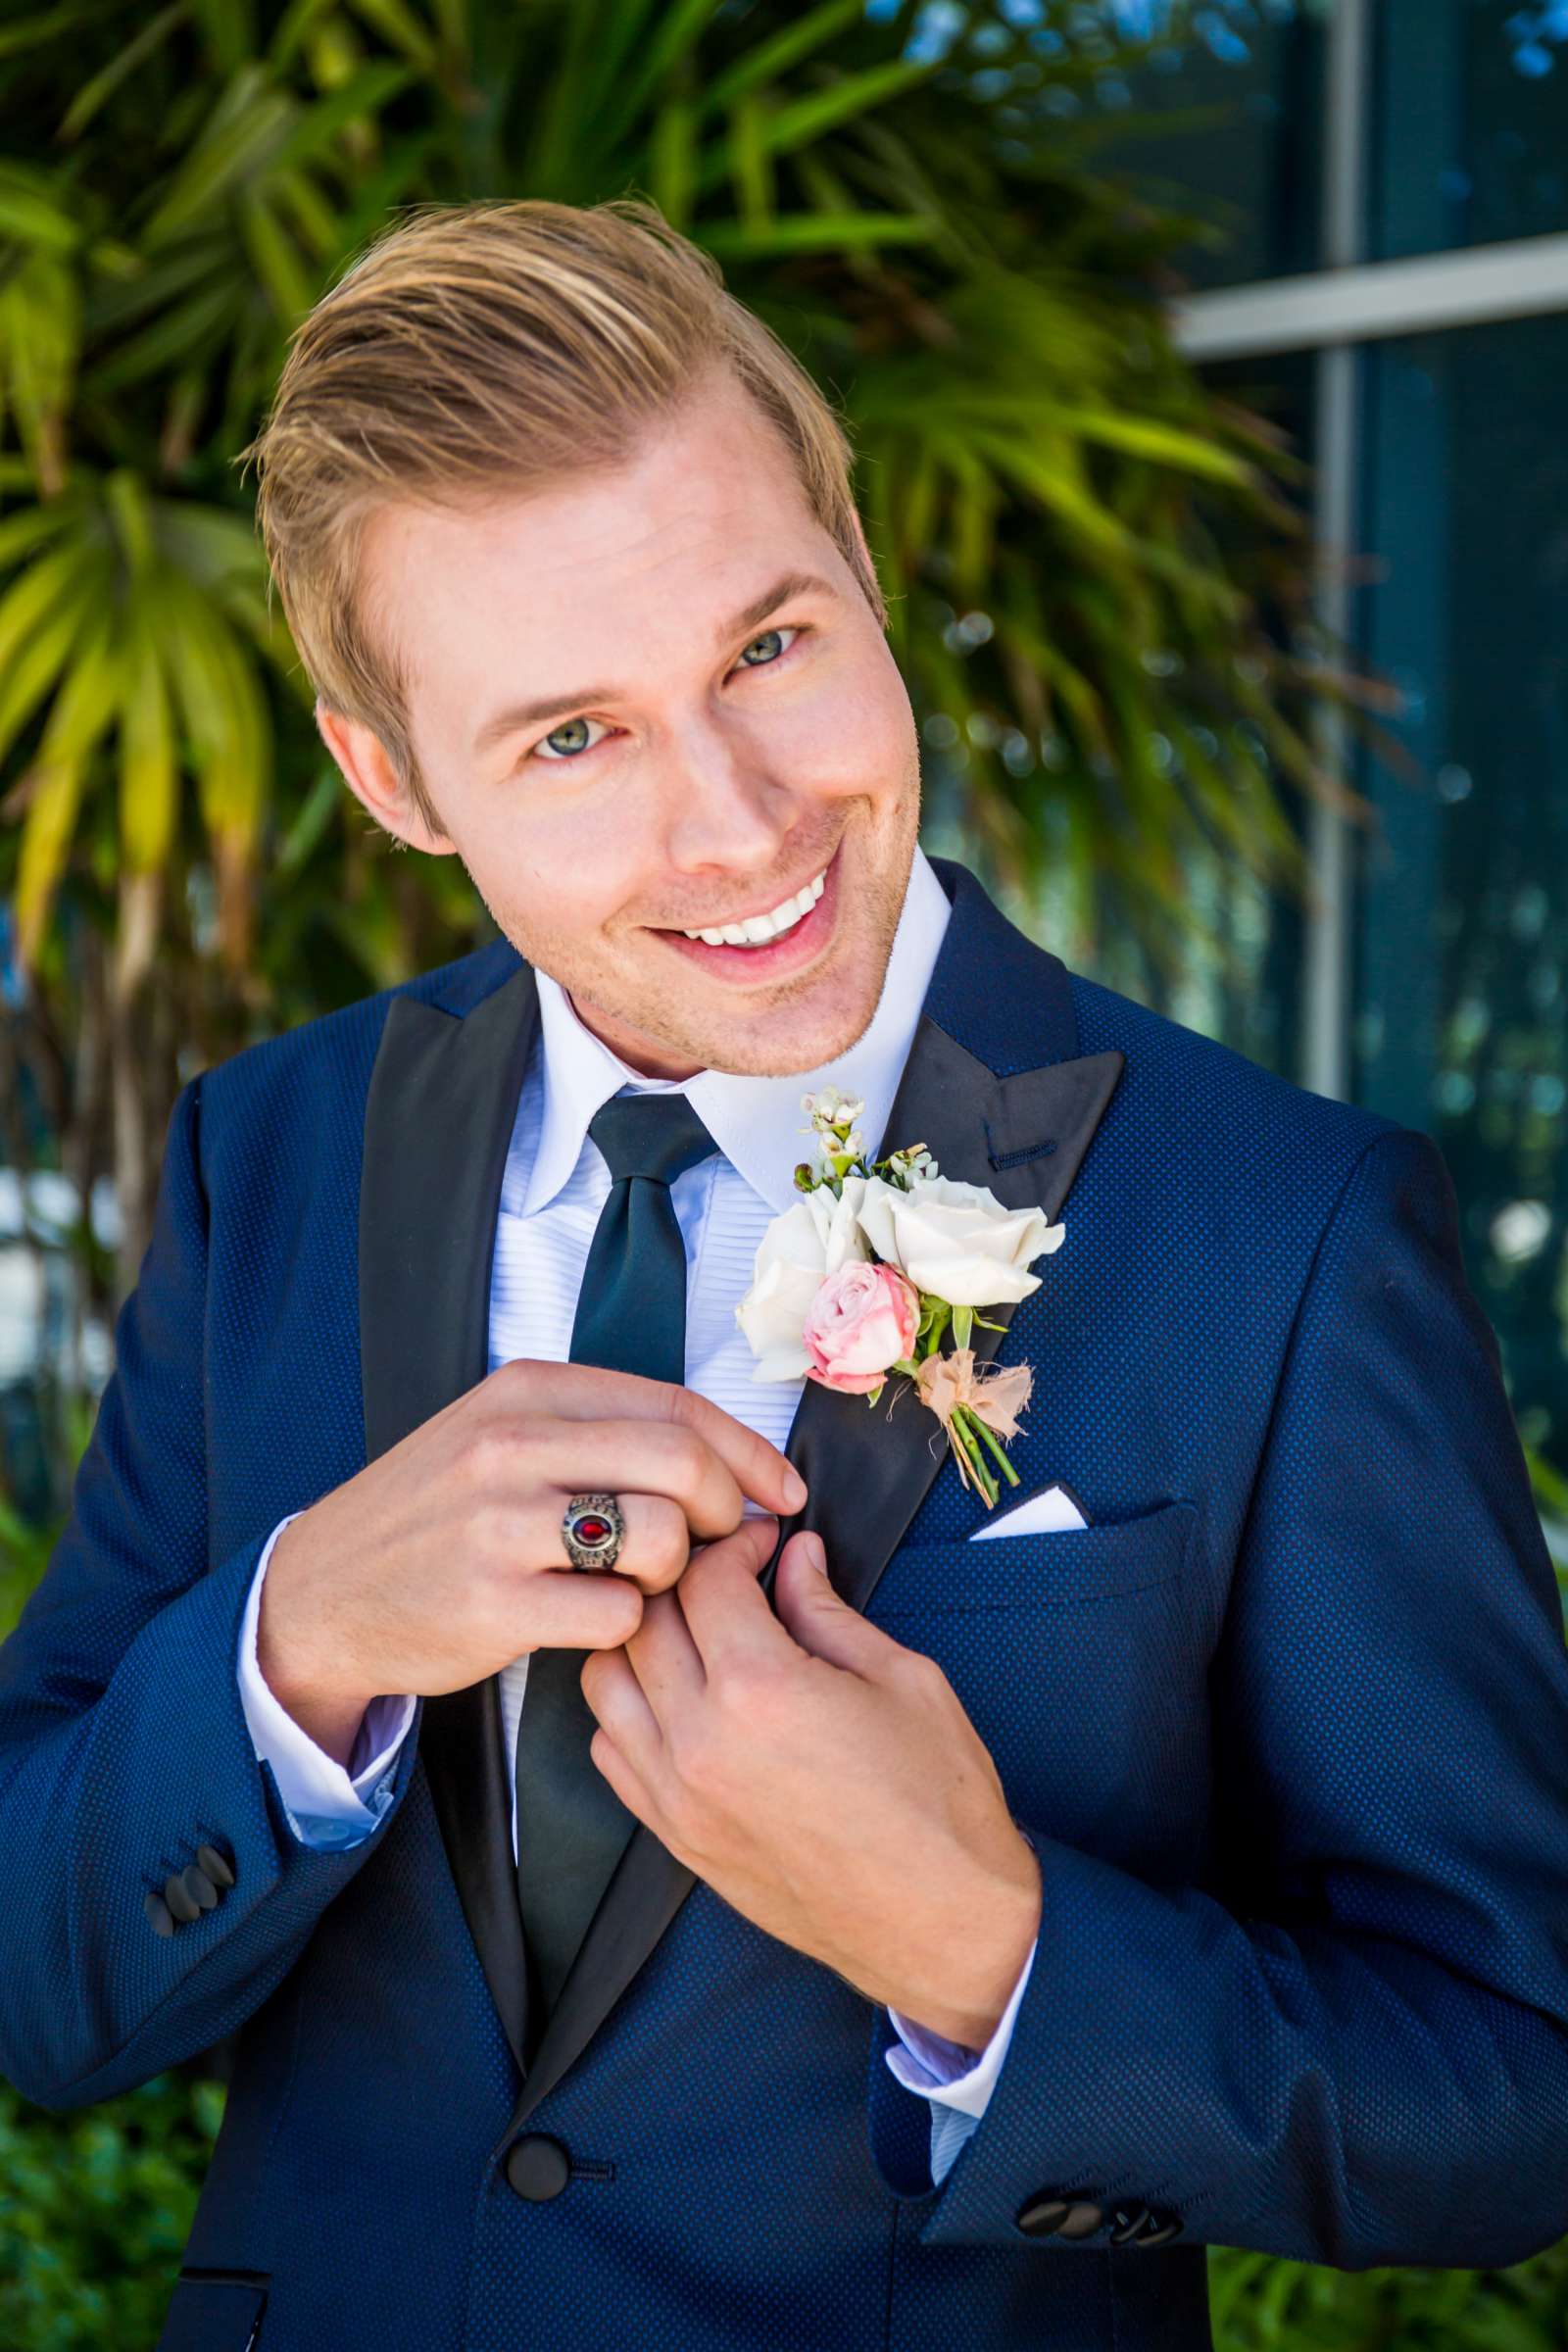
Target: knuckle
{"type": "Point", "coordinates": [695, 1755]}
{"type": "Point", "coordinates": [667, 1547]}
{"type": "Point", "coordinates": [617, 1622]}
{"type": "Point", "coordinates": [631, 1617]}
{"type": "Point", "coordinates": [922, 1673]}
{"type": "Point", "coordinates": [690, 1411]}
{"type": "Point", "coordinates": [481, 1454]}
{"type": "Point", "coordinates": [688, 1454]}
{"type": "Point", "coordinates": [748, 1694]}
{"type": "Point", "coordinates": [492, 1528]}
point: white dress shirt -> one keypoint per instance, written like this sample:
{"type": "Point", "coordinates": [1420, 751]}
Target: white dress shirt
{"type": "Point", "coordinates": [555, 1183]}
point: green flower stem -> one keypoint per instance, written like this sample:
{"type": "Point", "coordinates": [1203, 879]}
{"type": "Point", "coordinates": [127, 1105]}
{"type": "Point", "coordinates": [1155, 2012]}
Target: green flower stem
{"type": "Point", "coordinates": [963, 1438]}
{"type": "Point", "coordinates": [994, 1444]}
{"type": "Point", "coordinates": [937, 1326]}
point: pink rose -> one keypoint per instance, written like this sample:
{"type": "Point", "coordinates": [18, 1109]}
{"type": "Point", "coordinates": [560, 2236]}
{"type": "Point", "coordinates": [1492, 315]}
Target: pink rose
{"type": "Point", "coordinates": [863, 1318]}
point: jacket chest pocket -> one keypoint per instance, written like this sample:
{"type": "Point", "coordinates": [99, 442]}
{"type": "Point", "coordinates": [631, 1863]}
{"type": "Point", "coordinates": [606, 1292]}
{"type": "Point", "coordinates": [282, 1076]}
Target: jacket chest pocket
{"type": "Point", "coordinates": [1079, 1657]}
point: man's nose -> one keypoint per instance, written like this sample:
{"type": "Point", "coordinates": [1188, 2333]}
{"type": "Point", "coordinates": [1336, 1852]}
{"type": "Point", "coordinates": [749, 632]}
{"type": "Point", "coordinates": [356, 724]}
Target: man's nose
{"type": "Point", "coordinates": [726, 803]}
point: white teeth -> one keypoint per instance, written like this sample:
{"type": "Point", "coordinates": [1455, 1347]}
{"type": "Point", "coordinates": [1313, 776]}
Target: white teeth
{"type": "Point", "coordinates": [759, 928]}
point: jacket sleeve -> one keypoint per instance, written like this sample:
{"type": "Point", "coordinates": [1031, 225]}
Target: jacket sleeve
{"type": "Point", "coordinates": [123, 1746]}
{"type": "Point", "coordinates": [1351, 2046]}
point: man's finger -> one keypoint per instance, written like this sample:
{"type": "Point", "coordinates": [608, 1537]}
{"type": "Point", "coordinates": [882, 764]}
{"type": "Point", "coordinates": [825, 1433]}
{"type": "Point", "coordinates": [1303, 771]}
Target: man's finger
{"type": "Point", "coordinates": [566, 1610]}
{"type": "Point", "coordinates": [590, 1392]}
{"type": "Point", "coordinates": [640, 1458]}
{"type": "Point", "coordinates": [818, 1620]}
{"type": "Point", "coordinates": [620, 1706]}
{"type": "Point", "coordinates": [663, 1659]}
{"type": "Point", "coordinates": [726, 1611]}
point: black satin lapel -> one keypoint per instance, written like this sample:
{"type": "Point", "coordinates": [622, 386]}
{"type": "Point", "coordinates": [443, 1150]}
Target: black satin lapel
{"type": "Point", "coordinates": [647, 1889]}
{"type": "Point", "coordinates": [438, 1118]}
{"type": "Point", "coordinates": [869, 1468]}
{"type": "Point", "coordinates": [1025, 1137]}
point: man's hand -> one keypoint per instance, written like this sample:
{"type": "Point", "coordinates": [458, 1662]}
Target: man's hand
{"type": "Point", "coordinates": [442, 1560]}
{"type": "Point", "coordinates": [823, 1780]}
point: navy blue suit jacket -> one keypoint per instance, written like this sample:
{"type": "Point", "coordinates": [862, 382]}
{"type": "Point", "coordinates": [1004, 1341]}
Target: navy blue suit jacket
{"type": "Point", "coordinates": [1287, 1726]}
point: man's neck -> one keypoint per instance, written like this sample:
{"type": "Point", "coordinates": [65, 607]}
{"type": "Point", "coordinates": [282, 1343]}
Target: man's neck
{"type": "Point", "coordinates": [639, 1054]}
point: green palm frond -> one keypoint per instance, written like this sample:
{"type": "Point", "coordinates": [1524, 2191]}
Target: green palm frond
{"type": "Point", "coordinates": [1054, 500]}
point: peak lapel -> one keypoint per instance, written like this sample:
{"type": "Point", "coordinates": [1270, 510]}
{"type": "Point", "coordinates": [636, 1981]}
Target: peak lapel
{"type": "Point", "coordinates": [1024, 1134]}
{"type": "Point", "coordinates": [438, 1118]}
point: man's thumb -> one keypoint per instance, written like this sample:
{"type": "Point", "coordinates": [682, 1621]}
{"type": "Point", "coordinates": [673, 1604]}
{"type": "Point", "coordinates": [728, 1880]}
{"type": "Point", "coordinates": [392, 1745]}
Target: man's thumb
{"type": "Point", "coordinates": [813, 1613]}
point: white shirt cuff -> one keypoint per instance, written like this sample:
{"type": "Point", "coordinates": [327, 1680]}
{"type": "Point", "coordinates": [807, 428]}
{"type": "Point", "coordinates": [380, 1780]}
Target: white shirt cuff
{"type": "Point", "coordinates": [328, 1804]}
{"type": "Point", "coordinates": [957, 2081]}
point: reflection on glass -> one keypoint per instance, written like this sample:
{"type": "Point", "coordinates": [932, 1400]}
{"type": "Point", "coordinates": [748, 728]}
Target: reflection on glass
{"type": "Point", "coordinates": [1211, 110]}
{"type": "Point", "coordinates": [1471, 138]}
{"type": "Point", "coordinates": [1223, 120]}
{"type": "Point", "coordinates": [1242, 982]}
{"type": "Point", "coordinates": [1463, 951]}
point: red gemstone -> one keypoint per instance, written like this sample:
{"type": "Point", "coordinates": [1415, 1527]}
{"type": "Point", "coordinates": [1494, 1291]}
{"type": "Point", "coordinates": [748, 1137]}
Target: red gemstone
{"type": "Point", "coordinates": [591, 1531]}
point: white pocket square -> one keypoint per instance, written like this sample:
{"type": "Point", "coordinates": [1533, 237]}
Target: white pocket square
{"type": "Point", "coordinates": [1041, 1515]}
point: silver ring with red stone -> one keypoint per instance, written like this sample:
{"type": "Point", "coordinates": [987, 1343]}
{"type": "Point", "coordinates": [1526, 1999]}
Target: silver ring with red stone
{"type": "Point", "coordinates": [591, 1531]}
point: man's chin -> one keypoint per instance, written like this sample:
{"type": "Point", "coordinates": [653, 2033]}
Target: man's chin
{"type": "Point", "coordinates": [775, 1041]}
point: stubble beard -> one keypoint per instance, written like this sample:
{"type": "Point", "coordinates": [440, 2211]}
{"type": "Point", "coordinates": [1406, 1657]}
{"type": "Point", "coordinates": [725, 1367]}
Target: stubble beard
{"type": "Point", "coordinates": [720, 1038]}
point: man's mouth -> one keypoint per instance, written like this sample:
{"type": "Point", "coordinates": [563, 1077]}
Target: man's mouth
{"type": "Point", "coordinates": [758, 929]}
{"type": "Point", "coordinates": [767, 946]}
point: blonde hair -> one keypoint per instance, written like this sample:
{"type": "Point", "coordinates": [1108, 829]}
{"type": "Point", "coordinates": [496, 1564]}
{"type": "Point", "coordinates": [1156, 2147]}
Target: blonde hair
{"type": "Point", "coordinates": [501, 344]}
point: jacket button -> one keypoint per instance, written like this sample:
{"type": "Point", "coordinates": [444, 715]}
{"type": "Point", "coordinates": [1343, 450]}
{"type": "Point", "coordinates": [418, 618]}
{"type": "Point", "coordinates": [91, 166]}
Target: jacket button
{"type": "Point", "coordinates": [180, 1901]}
{"type": "Point", "coordinates": [1048, 2215]}
{"type": "Point", "coordinates": [1167, 2230]}
{"type": "Point", "coordinates": [538, 2168]}
{"type": "Point", "coordinates": [199, 1886]}
{"type": "Point", "coordinates": [1128, 2222]}
{"type": "Point", "coordinates": [218, 1869]}
{"type": "Point", "coordinates": [1080, 2220]}
{"type": "Point", "coordinates": [159, 1913]}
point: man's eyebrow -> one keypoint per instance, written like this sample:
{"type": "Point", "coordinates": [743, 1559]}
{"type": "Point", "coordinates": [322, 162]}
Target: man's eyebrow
{"type": "Point", "coordinates": [501, 723]}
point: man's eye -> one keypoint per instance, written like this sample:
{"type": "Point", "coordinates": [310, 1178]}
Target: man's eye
{"type": "Point", "coordinates": [571, 738]}
{"type": "Point", "coordinates": [773, 638]}
{"type": "Point", "coordinates": [550, 747]}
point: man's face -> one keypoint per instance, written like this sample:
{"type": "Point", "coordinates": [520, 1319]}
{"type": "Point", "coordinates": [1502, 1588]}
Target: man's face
{"type": "Point", "coordinates": [650, 702]}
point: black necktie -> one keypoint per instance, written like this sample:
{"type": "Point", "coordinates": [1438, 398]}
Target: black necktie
{"type": "Point", "coordinates": [631, 1317]}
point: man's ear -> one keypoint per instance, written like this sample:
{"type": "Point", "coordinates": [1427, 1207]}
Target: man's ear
{"type": "Point", "coordinates": [369, 775]}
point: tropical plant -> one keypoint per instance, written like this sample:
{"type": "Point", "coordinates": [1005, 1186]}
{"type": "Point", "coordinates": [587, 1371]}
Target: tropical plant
{"type": "Point", "coordinates": [1098, 579]}
{"type": "Point", "coordinates": [95, 2209]}
{"type": "Point", "coordinates": [1099, 582]}
{"type": "Point", "coordinates": [1259, 2304]}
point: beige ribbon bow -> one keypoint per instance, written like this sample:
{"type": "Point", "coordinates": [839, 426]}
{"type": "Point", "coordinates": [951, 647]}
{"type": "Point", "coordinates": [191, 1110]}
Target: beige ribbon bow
{"type": "Point", "coordinates": [995, 1394]}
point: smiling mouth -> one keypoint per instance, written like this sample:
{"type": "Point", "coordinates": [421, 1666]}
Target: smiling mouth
{"type": "Point", "coordinates": [788, 936]}
{"type": "Point", "coordinates": [758, 929]}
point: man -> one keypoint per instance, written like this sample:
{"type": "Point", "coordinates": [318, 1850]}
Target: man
{"type": "Point", "coordinates": [944, 1944]}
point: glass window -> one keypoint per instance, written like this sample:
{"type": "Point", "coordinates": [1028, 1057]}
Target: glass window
{"type": "Point", "coordinates": [1242, 985]}
{"type": "Point", "coordinates": [1224, 121]}
{"type": "Point", "coordinates": [1470, 133]}
{"type": "Point", "coordinates": [1462, 945]}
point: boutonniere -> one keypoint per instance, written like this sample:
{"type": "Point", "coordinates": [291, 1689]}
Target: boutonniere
{"type": "Point", "coordinates": [871, 1269]}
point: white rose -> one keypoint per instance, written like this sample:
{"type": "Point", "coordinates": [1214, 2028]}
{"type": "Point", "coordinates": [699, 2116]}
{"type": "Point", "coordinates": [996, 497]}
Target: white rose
{"type": "Point", "coordinates": [958, 1240]}
{"type": "Point", "coordinates": [813, 1238]}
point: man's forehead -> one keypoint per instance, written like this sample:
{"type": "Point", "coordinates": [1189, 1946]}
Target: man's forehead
{"type": "Point", "coordinates": [713, 471]}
